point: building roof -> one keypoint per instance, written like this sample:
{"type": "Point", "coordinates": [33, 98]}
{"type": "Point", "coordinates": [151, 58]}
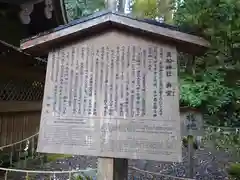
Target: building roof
{"type": "Point", "coordinates": [15, 63]}
{"type": "Point", "coordinates": [15, 2]}
{"type": "Point", "coordinates": [106, 20]}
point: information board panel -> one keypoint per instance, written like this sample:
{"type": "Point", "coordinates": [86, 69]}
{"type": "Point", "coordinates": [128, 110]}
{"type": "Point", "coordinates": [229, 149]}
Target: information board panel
{"type": "Point", "coordinates": [114, 95]}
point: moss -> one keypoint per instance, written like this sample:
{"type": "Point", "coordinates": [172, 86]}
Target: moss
{"type": "Point", "coordinates": [54, 157]}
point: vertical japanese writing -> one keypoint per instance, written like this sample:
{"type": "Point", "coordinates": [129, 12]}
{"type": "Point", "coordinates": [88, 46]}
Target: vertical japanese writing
{"type": "Point", "coordinates": [191, 122]}
{"type": "Point", "coordinates": [73, 80]}
{"type": "Point", "coordinates": [127, 91]}
{"type": "Point", "coordinates": [123, 76]}
{"type": "Point", "coordinates": [70, 89]}
{"type": "Point", "coordinates": [66, 96]}
{"type": "Point", "coordinates": [111, 82]}
{"type": "Point", "coordinates": [102, 70]}
{"type": "Point", "coordinates": [116, 80]}
{"type": "Point", "coordinates": [90, 83]}
{"type": "Point", "coordinates": [150, 56]}
{"type": "Point", "coordinates": [168, 67]}
{"type": "Point", "coordinates": [119, 72]}
{"type": "Point", "coordinates": [56, 76]}
{"type": "Point", "coordinates": [132, 81]}
{"type": "Point", "coordinates": [138, 83]}
{"type": "Point", "coordinates": [60, 104]}
{"type": "Point", "coordinates": [97, 81]}
{"type": "Point", "coordinates": [106, 82]}
{"type": "Point", "coordinates": [83, 79]}
{"type": "Point", "coordinates": [86, 79]}
{"type": "Point", "coordinates": [160, 70]}
{"type": "Point", "coordinates": [155, 83]}
{"type": "Point", "coordinates": [53, 59]}
{"type": "Point", "coordinates": [143, 89]}
{"type": "Point", "coordinates": [76, 76]}
{"type": "Point", "coordinates": [81, 74]}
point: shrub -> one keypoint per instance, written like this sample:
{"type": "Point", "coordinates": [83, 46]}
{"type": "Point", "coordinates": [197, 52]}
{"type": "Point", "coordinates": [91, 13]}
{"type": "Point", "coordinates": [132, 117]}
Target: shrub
{"type": "Point", "coordinates": [234, 171]}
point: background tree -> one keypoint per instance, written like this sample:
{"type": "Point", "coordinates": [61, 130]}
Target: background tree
{"type": "Point", "coordinates": [153, 9]}
{"type": "Point", "coordinates": [213, 83]}
{"type": "Point", "coordinates": [79, 8]}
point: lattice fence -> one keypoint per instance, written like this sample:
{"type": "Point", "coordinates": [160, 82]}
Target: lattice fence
{"type": "Point", "coordinates": [22, 75]}
{"type": "Point", "coordinates": [25, 90]}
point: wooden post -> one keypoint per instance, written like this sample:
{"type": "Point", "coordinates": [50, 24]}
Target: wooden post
{"type": "Point", "coordinates": [190, 157]}
{"type": "Point", "coordinates": [112, 169]}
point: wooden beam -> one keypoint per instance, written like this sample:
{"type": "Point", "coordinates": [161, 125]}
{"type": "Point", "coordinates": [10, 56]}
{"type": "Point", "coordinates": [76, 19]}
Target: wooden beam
{"type": "Point", "coordinates": [20, 106]}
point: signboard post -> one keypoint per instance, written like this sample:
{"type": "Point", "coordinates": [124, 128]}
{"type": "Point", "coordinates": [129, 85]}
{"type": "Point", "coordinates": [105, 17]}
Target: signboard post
{"type": "Point", "coordinates": [113, 95]}
{"type": "Point", "coordinates": [192, 126]}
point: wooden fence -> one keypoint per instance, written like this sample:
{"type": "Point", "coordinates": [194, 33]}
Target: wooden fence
{"type": "Point", "coordinates": [18, 120]}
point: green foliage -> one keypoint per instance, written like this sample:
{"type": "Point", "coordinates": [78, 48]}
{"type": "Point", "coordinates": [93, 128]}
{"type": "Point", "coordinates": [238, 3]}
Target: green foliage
{"type": "Point", "coordinates": [225, 140]}
{"type": "Point", "coordinates": [153, 9]}
{"type": "Point", "coordinates": [79, 8]}
{"type": "Point", "coordinates": [211, 82]}
{"type": "Point", "coordinates": [234, 171]}
{"type": "Point", "coordinates": [206, 89]}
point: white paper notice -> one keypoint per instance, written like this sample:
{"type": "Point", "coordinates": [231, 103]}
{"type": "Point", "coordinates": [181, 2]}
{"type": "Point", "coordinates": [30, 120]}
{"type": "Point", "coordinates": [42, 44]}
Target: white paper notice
{"type": "Point", "coordinates": [114, 96]}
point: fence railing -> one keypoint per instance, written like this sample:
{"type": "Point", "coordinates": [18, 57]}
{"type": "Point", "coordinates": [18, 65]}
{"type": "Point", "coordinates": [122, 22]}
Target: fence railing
{"type": "Point", "coordinates": [134, 174]}
{"type": "Point", "coordinates": [29, 174]}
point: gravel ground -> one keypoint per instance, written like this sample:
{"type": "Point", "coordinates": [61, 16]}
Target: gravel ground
{"type": "Point", "coordinates": [208, 166]}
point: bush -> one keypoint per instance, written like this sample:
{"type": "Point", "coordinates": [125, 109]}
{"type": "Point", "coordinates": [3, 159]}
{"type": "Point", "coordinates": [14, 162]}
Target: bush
{"type": "Point", "coordinates": [234, 171]}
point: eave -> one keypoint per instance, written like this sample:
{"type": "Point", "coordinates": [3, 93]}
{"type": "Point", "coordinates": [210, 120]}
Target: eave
{"type": "Point", "coordinates": [100, 22]}
{"type": "Point", "coordinates": [15, 2]}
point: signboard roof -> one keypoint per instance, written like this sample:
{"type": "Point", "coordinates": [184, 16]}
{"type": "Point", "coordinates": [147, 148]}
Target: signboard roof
{"type": "Point", "coordinates": [107, 20]}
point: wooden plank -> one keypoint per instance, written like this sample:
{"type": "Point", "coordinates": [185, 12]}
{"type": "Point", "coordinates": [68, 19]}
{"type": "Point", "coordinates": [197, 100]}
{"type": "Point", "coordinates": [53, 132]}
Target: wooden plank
{"type": "Point", "coordinates": [5, 131]}
{"type": "Point", "coordinates": [1, 127]}
{"type": "Point", "coordinates": [42, 44]}
{"type": "Point", "coordinates": [20, 106]}
{"type": "Point", "coordinates": [112, 169]}
{"type": "Point", "coordinates": [17, 126]}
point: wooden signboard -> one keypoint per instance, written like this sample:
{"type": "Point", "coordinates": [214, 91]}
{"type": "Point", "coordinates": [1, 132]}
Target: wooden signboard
{"type": "Point", "coordinates": [192, 123]}
{"type": "Point", "coordinates": [112, 95]}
